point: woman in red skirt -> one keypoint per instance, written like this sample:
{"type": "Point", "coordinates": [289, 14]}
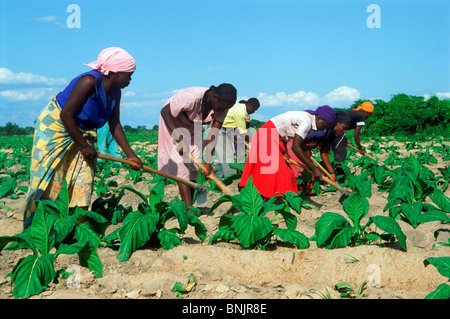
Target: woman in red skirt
{"type": "Point", "coordinates": [266, 163]}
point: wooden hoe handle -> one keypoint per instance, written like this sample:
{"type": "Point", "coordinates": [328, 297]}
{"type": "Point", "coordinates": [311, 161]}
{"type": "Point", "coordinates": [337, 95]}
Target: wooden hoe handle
{"type": "Point", "coordinates": [152, 170]}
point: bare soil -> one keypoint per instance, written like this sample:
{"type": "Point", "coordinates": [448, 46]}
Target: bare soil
{"type": "Point", "coordinates": [226, 271]}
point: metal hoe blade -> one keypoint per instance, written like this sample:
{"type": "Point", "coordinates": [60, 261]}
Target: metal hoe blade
{"type": "Point", "coordinates": [201, 196]}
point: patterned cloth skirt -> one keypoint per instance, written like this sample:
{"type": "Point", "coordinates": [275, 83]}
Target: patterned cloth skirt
{"type": "Point", "coordinates": [55, 157]}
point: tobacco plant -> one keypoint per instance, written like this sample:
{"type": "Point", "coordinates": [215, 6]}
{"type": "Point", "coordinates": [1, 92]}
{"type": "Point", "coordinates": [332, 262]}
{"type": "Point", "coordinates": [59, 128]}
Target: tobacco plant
{"type": "Point", "coordinates": [148, 223]}
{"type": "Point", "coordinates": [333, 230]}
{"type": "Point", "coordinates": [52, 223]}
{"type": "Point", "coordinates": [251, 226]}
{"type": "Point", "coordinates": [411, 185]}
{"type": "Point", "coordinates": [9, 188]}
{"type": "Point", "coordinates": [110, 208]}
{"type": "Point", "coordinates": [444, 180]}
{"type": "Point", "coordinates": [442, 264]}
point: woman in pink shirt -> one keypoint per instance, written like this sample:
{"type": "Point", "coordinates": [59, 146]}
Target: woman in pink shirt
{"type": "Point", "coordinates": [181, 121]}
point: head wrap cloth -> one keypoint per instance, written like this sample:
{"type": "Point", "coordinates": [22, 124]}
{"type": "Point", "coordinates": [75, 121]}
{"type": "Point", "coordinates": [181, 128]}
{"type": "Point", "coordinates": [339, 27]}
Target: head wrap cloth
{"type": "Point", "coordinates": [113, 59]}
{"type": "Point", "coordinates": [325, 112]}
{"type": "Point", "coordinates": [365, 106]}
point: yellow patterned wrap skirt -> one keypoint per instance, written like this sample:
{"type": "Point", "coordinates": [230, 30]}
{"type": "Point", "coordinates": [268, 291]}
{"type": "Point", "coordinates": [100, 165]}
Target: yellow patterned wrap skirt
{"type": "Point", "coordinates": [55, 157]}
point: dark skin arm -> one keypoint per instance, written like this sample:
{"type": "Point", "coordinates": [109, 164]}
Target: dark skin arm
{"type": "Point", "coordinates": [300, 151]}
{"type": "Point", "coordinates": [117, 132]}
{"type": "Point", "coordinates": [357, 139]}
{"type": "Point", "coordinates": [184, 145]}
{"type": "Point", "coordinates": [325, 156]}
{"type": "Point", "coordinates": [80, 93]}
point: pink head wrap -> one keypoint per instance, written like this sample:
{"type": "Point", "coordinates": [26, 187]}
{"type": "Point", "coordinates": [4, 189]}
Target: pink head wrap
{"type": "Point", "coordinates": [113, 59]}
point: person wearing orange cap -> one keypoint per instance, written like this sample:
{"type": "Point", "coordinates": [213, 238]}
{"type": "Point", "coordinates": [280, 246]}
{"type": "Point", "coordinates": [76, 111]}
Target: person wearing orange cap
{"type": "Point", "coordinates": [358, 118]}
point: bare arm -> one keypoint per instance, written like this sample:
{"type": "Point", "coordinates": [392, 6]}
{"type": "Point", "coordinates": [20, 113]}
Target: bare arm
{"type": "Point", "coordinates": [325, 156]}
{"type": "Point", "coordinates": [299, 151]}
{"type": "Point", "coordinates": [77, 98]}
{"type": "Point", "coordinates": [119, 135]}
{"type": "Point", "coordinates": [357, 139]}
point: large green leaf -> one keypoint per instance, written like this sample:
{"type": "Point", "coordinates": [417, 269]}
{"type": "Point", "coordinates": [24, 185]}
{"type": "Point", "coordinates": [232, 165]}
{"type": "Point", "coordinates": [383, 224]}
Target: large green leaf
{"type": "Point", "coordinates": [270, 206]}
{"type": "Point", "coordinates": [236, 200]}
{"type": "Point", "coordinates": [84, 232]}
{"type": "Point", "coordinates": [341, 237]}
{"type": "Point", "coordinates": [289, 218]}
{"type": "Point", "coordinates": [225, 234]}
{"type": "Point", "coordinates": [390, 226]}
{"type": "Point", "coordinates": [70, 249]}
{"type": "Point", "coordinates": [220, 201]}
{"type": "Point", "coordinates": [327, 224]}
{"type": "Point", "coordinates": [442, 201]}
{"type": "Point", "coordinates": [156, 195]}
{"type": "Point", "coordinates": [42, 231]}
{"type": "Point", "coordinates": [226, 221]}
{"type": "Point", "coordinates": [403, 185]}
{"type": "Point", "coordinates": [32, 274]}
{"type": "Point", "coordinates": [412, 165]}
{"type": "Point", "coordinates": [136, 230]}
{"type": "Point", "coordinates": [24, 241]}
{"type": "Point", "coordinates": [412, 212]}
{"type": "Point", "coordinates": [179, 209]}
{"type": "Point", "coordinates": [379, 173]}
{"type": "Point", "coordinates": [294, 201]}
{"type": "Point", "coordinates": [168, 238]}
{"type": "Point", "coordinates": [364, 186]}
{"type": "Point", "coordinates": [292, 236]}
{"type": "Point", "coordinates": [138, 193]}
{"type": "Point", "coordinates": [5, 240]}
{"type": "Point", "coordinates": [442, 264]}
{"type": "Point", "coordinates": [441, 292]}
{"type": "Point", "coordinates": [79, 213]}
{"type": "Point", "coordinates": [63, 227]}
{"type": "Point", "coordinates": [433, 215]}
{"type": "Point", "coordinates": [63, 201]}
{"type": "Point", "coordinates": [251, 199]}
{"type": "Point", "coordinates": [200, 229]}
{"type": "Point", "coordinates": [356, 206]}
{"type": "Point", "coordinates": [7, 187]}
{"type": "Point", "coordinates": [250, 228]}
{"type": "Point", "coordinates": [404, 192]}
{"type": "Point", "coordinates": [89, 258]}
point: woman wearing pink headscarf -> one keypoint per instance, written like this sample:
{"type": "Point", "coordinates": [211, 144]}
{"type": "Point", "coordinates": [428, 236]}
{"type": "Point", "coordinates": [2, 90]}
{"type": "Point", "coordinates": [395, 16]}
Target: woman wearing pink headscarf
{"type": "Point", "coordinates": [65, 131]}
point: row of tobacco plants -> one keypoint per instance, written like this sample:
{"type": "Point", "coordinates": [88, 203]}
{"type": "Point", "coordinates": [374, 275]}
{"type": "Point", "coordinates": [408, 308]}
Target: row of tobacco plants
{"type": "Point", "coordinates": [56, 229]}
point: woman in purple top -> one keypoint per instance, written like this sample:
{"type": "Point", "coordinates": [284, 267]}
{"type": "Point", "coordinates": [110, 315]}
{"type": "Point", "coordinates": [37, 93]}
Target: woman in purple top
{"type": "Point", "coordinates": [65, 132]}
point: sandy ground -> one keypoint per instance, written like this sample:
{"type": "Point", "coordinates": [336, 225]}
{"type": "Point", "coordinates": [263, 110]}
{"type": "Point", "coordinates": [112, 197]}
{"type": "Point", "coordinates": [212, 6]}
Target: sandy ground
{"type": "Point", "coordinates": [226, 271]}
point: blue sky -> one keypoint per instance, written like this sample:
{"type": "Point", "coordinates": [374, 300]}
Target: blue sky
{"type": "Point", "coordinates": [291, 54]}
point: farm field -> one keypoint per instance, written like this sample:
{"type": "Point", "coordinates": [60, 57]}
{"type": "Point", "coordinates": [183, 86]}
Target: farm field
{"type": "Point", "coordinates": [386, 263]}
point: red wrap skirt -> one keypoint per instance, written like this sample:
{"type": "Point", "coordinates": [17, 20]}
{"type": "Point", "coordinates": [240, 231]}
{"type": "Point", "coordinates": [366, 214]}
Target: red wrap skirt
{"type": "Point", "coordinates": [271, 175]}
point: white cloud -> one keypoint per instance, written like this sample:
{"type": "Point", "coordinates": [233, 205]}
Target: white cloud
{"type": "Point", "coordinates": [33, 94]}
{"type": "Point", "coordinates": [439, 95]}
{"type": "Point", "coordinates": [300, 98]}
{"type": "Point", "coordinates": [443, 95]}
{"type": "Point", "coordinates": [342, 96]}
{"type": "Point", "coordinates": [129, 94]}
{"type": "Point", "coordinates": [47, 19]}
{"type": "Point", "coordinates": [9, 77]}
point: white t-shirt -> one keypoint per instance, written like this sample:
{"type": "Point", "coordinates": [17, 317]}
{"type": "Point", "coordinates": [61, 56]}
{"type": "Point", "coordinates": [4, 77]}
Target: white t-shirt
{"type": "Point", "coordinates": [294, 122]}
